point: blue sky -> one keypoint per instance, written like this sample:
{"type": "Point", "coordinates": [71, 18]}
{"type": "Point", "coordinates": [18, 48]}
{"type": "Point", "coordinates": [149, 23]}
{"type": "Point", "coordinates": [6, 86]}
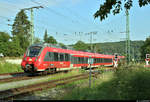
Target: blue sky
{"type": "Point", "coordinates": [69, 20]}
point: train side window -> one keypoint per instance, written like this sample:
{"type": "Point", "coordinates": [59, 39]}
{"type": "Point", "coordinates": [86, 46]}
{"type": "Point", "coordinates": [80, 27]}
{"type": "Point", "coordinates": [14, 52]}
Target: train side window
{"type": "Point", "coordinates": [55, 56]}
{"type": "Point", "coordinates": [79, 60]}
{"type": "Point", "coordinates": [85, 60]}
{"type": "Point", "coordinates": [75, 60]}
{"type": "Point", "coordinates": [104, 60]}
{"type": "Point", "coordinates": [61, 56]}
{"type": "Point", "coordinates": [101, 60]}
{"type": "Point", "coordinates": [72, 60]}
{"type": "Point", "coordinates": [66, 57]}
{"type": "Point", "coordinates": [94, 60]}
{"type": "Point", "coordinates": [82, 59]}
{"type": "Point", "coordinates": [51, 56]}
{"type": "Point", "coordinates": [46, 58]}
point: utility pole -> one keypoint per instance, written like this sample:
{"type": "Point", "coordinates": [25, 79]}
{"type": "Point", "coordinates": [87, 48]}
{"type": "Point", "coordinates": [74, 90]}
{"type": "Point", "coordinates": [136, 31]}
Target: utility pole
{"type": "Point", "coordinates": [127, 38]}
{"type": "Point", "coordinates": [32, 21]}
{"type": "Point", "coordinates": [133, 54]}
{"type": "Point", "coordinates": [91, 39]}
{"type": "Point", "coordinates": [91, 60]}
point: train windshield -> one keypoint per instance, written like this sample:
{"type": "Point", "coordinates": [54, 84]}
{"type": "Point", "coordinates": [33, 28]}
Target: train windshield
{"type": "Point", "coordinates": [34, 51]}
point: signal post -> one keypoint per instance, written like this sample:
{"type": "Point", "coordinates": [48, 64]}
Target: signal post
{"type": "Point", "coordinates": [147, 60]}
{"type": "Point", "coordinates": [115, 60]}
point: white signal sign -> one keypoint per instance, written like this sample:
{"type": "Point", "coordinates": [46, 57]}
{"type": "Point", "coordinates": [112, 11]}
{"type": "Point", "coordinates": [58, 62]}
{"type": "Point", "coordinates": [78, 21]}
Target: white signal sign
{"type": "Point", "coordinates": [147, 56]}
{"type": "Point", "coordinates": [90, 61]}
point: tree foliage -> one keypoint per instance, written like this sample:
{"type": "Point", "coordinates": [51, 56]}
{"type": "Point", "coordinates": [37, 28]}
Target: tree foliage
{"type": "Point", "coordinates": [80, 46]}
{"type": "Point", "coordinates": [46, 37]}
{"type": "Point", "coordinates": [115, 6]}
{"type": "Point", "coordinates": [21, 29]}
{"type": "Point", "coordinates": [51, 40]}
{"type": "Point", "coordinates": [96, 48]}
{"type": "Point", "coordinates": [15, 47]}
{"type": "Point", "coordinates": [37, 40]}
{"type": "Point", "coordinates": [63, 45]}
{"type": "Point", "coordinates": [4, 43]}
{"type": "Point", "coordinates": [145, 49]}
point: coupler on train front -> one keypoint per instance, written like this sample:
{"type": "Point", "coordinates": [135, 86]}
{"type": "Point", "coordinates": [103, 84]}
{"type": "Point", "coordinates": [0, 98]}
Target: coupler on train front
{"type": "Point", "coordinates": [29, 68]}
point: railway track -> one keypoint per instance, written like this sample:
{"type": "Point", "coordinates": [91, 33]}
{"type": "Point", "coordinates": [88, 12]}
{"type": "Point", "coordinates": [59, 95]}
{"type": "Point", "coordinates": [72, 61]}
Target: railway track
{"type": "Point", "coordinates": [26, 77]}
{"type": "Point", "coordinates": [18, 77]}
{"type": "Point", "coordinates": [10, 93]}
{"type": "Point", "coordinates": [16, 73]}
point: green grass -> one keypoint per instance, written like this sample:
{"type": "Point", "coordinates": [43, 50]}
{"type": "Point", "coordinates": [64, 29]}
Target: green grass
{"type": "Point", "coordinates": [9, 68]}
{"type": "Point", "coordinates": [127, 83]}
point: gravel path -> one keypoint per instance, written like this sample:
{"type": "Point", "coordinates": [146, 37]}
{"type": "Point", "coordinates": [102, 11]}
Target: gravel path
{"type": "Point", "coordinates": [6, 76]}
{"type": "Point", "coordinates": [15, 75]}
{"type": "Point", "coordinates": [10, 85]}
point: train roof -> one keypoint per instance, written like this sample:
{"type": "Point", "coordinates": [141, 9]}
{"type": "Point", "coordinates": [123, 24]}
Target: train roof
{"type": "Point", "coordinates": [57, 48]}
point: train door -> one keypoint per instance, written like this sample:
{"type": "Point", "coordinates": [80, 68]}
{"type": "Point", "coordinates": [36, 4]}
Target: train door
{"type": "Point", "coordinates": [71, 61]}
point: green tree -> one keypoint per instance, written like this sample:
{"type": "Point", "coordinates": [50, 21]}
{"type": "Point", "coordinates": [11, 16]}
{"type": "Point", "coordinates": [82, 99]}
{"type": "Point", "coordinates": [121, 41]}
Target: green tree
{"type": "Point", "coordinates": [63, 45]}
{"type": "Point", "coordinates": [96, 48]}
{"type": "Point", "coordinates": [46, 37]}
{"type": "Point", "coordinates": [16, 50]}
{"type": "Point", "coordinates": [52, 40]}
{"type": "Point", "coordinates": [145, 49]}
{"type": "Point", "coordinates": [21, 29]}
{"type": "Point", "coordinates": [37, 40]}
{"type": "Point", "coordinates": [4, 43]}
{"type": "Point", "coordinates": [115, 6]}
{"type": "Point", "coordinates": [81, 46]}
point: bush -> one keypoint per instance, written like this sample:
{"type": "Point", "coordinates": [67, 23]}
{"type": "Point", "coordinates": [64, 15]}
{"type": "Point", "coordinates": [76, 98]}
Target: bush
{"type": "Point", "coordinates": [9, 68]}
{"type": "Point", "coordinates": [128, 83]}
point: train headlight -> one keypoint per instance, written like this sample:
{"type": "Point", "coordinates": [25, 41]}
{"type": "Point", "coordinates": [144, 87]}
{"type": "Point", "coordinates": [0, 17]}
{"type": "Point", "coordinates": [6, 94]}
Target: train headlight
{"type": "Point", "coordinates": [30, 59]}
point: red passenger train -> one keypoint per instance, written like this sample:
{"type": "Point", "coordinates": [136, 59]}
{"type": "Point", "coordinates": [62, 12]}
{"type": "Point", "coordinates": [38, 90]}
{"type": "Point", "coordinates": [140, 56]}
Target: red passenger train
{"type": "Point", "coordinates": [49, 58]}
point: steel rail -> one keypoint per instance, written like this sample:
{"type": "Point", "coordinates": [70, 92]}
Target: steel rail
{"type": "Point", "coordinates": [36, 87]}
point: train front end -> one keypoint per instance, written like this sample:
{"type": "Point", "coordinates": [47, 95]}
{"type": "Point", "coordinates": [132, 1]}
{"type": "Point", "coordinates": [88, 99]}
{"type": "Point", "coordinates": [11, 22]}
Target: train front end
{"type": "Point", "coordinates": [31, 59]}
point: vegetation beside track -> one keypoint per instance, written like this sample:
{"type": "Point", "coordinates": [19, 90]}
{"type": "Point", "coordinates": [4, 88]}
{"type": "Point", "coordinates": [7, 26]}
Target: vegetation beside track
{"type": "Point", "coordinates": [127, 83]}
{"type": "Point", "coordinates": [9, 68]}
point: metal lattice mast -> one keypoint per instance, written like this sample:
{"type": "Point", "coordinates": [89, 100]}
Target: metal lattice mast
{"type": "Point", "coordinates": [127, 38]}
{"type": "Point", "coordinates": [32, 22]}
{"type": "Point", "coordinates": [32, 26]}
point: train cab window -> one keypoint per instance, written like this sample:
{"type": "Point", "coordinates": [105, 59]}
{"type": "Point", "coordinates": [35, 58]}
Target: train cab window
{"type": "Point", "coordinates": [61, 57]}
{"type": "Point", "coordinates": [56, 56]}
{"type": "Point", "coordinates": [33, 51]}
